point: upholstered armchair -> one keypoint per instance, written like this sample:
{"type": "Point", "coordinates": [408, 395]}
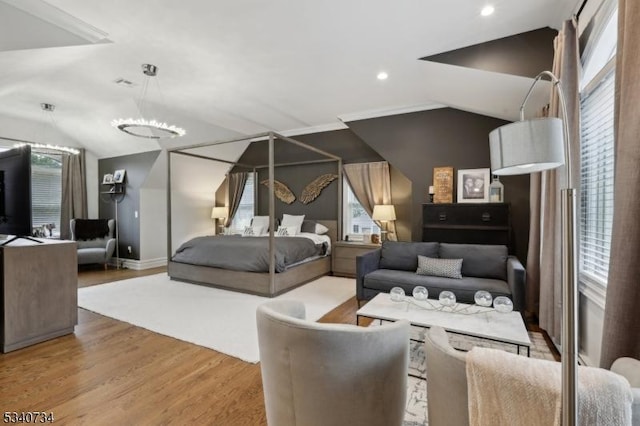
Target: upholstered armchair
{"type": "Point", "coordinates": [523, 383]}
{"type": "Point", "coordinates": [94, 238]}
{"type": "Point", "coordinates": [330, 374]}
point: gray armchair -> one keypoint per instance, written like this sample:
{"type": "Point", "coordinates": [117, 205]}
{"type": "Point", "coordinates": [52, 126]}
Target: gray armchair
{"type": "Point", "coordinates": [330, 374]}
{"type": "Point", "coordinates": [95, 242]}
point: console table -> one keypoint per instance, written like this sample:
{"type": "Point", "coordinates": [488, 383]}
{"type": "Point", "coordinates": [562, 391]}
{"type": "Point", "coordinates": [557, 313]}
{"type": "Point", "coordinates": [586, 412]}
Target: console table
{"type": "Point", "coordinates": [39, 291]}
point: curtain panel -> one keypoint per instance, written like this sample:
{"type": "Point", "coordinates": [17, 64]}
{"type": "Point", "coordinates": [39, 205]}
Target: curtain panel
{"type": "Point", "coordinates": [544, 266]}
{"type": "Point", "coordinates": [74, 192]}
{"type": "Point", "coordinates": [235, 182]}
{"type": "Point", "coordinates": [371, 184]}
{"type": "Point", "coordinates": [621, 332]}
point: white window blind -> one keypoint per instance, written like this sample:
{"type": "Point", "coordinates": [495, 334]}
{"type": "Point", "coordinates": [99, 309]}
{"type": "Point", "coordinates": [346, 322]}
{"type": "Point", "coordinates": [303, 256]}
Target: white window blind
{"type": "Point", "coordinates": [244, 214]}
{"type": "Point", "coordinates": [355, 220]}
{"type": "Point", "coordinates": [596, 177]}
{"type": "Point", "coordinates": [46, 190]}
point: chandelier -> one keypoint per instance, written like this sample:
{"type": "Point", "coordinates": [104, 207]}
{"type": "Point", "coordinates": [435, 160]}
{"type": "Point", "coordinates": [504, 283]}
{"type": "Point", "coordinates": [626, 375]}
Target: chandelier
{"type": "Point", "coordinates": [45, 147]}
{"type": "Point", "coordinates": [142, 127]}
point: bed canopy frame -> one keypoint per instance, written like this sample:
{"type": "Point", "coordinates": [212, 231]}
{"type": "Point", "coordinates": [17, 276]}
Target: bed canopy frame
{"type": "Point", "coordinates": [270, 138]}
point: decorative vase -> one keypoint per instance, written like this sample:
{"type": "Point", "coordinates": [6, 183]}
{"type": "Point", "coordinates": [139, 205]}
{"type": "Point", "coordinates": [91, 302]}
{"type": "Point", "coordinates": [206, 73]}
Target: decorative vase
{"type": "Point", "coordinates": [496, 191]}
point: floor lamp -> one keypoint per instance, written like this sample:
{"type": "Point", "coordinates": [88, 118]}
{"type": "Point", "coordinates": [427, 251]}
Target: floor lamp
{"type": "Point", "coordinates": [528, 146]}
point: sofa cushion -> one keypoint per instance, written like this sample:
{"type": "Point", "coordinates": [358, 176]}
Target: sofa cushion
{"type": "Point", "coordinates": [404, 255]}
{"type": "Point", "coordinates": [100, 243]}
{"type": "Point", "coordinates": [464, 289]}
{"type": "Point", "coordinates": [448, 268]}
{"type": "Point", "coordinates": [478, 260]}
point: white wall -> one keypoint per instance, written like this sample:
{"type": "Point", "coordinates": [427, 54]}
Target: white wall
{"type": "Point", "coordinates": [153, 223]}
{"type": "Point", "coordinates": [591, 318]}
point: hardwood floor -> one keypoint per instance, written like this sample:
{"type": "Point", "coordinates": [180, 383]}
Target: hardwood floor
{"type": "Point", "coordinates": [110, 372]}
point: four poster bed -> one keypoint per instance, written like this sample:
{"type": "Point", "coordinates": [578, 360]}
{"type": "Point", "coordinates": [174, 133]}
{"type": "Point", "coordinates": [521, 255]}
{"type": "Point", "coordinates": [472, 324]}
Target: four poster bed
{"type": "Point", "coordinates": [264, 265]}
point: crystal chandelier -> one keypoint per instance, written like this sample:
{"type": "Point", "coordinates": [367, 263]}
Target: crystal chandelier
{"type": "Point", "coordinates": [44, 147]}
{"type": "Point", "coordinates": [142, 127]}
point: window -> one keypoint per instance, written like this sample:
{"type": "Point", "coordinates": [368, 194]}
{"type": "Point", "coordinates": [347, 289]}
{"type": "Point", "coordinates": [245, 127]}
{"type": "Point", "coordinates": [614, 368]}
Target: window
{"type": "Point", "coordinates": [46, 190]}
{"type": "Point", "coordinates": [244, 214]}
{"type": "Point", "coordinates": [355, 219]}
{"type": "Point", "coordinates": [597, 159]}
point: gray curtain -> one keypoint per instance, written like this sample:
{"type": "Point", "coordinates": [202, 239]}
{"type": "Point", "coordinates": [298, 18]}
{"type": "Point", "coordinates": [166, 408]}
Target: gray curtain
{"type": "Point", "coordinates": [236, 182]}
{"type": "Point", "coordinates": [621, 332]}
{"type": "Point", "coordinates": [74, 191]}
{"type": "Point", "coordinates": [544, 274]}
{"type": "Point", "coordinates": [371, 184]}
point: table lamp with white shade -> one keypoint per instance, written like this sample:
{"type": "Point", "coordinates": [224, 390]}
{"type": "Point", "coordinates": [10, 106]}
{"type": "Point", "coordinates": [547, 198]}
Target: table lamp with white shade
{"type": "Point", "coordinates": [219, 213]}
{"type": "Point", "coordinates": [528, 146]}
{"type": "Point", "coordinates": [383, 213]}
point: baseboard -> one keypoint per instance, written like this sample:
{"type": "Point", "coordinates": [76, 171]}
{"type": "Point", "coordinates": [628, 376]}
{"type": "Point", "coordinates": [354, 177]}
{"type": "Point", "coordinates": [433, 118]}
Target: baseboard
{"type": "Point", "coordinates": [140, 265]}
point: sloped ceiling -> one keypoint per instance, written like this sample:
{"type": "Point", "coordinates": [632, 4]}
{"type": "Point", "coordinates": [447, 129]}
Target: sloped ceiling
{"type": "Point", "coordinates": [242, 67]}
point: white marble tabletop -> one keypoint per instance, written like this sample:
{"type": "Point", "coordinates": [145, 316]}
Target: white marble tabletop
{"type": "Point", "coordinates": [488, 323]}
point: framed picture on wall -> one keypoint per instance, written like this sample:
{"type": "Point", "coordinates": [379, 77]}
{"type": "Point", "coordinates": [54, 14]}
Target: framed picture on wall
{"type": "Point", "coordinates": [118, 176]}
{"type": "Point", "coordinates": [107, 179]}
{"type": "Point", "coordinates": [473, 185]}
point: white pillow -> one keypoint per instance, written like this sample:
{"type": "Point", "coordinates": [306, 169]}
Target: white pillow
{"type": "Point", "coordinates": [260, 221]}
{"type": "Point", "coordinates": [252, 231]}
{"type": "Point", "coordinates": [321, 229]}
{"type": "Point", "coordinates": [286, 231]}
{"type": "Point", "coordinates": [291, 220]}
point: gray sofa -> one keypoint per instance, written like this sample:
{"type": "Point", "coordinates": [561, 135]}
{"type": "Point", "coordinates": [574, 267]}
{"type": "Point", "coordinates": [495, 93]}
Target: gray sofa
{"type": "Point", "coordinates": [484, 267]}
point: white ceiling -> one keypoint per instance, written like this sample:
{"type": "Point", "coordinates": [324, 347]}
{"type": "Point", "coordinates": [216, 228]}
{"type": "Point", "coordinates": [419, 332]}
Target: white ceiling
{"type": "Point", "coordinates": [246, 66]}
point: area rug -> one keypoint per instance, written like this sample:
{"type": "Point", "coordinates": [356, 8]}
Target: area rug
{"type": "Point", "coordinates": [217, 319]}
{"type": "Point", "coordinates": [416, 412]}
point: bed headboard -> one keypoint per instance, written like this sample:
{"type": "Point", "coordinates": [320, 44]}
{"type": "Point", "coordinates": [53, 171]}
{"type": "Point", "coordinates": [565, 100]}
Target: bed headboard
{"type": "Point", "coordinates": [333, 229]}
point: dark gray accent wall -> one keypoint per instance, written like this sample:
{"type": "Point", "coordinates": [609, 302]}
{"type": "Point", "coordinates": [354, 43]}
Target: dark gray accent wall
{"type": "Point", "coordinates": [342, 143]}
{"type": "Point", "coordinates": [296, 178]}
{"type": "Point", "coordinates": [138, 167]}
{"type": "Point", "coordinates": [525, 54]}
{"type": "Point", "coordinates": [415, 143]}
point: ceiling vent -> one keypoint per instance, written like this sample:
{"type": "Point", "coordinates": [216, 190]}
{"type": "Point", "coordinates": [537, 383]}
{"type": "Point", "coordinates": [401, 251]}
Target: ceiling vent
{"type": "Point", "coordinates": [124, 82]}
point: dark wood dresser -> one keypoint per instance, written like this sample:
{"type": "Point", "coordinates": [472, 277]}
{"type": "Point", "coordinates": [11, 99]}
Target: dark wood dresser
{"type": "Point", "coordinates": [478, 223]}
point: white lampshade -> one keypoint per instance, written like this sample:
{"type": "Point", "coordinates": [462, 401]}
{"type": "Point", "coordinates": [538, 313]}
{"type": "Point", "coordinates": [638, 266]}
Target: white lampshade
{"type": "Point", "coordinates": [383, 212]}
{"type": "Point", "coordinates": [527, 146]}
{"type": "Point", "coordinates": [218, 213]}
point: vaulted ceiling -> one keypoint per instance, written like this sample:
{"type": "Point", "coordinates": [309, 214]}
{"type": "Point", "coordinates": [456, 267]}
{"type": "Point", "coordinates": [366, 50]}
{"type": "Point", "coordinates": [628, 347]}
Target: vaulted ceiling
{"type": "Point", "coordinates": [229, 68]}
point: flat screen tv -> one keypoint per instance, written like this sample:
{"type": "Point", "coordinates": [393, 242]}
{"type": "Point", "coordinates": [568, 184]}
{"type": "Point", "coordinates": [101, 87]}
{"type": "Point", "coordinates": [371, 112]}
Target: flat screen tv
{"type": "Point", "coordinates": [15, 192]}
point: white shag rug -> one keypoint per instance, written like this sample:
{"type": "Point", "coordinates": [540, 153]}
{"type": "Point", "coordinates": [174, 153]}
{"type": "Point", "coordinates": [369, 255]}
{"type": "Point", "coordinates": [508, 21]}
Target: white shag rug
{"type": "Point", "coordinates": [221, 320]}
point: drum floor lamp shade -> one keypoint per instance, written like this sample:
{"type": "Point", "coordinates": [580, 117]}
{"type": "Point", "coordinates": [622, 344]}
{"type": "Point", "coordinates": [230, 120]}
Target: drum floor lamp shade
{"type": "Point", "coordinates": [528, 146]}
{"type": "Point", "coordinates": [383, 213]}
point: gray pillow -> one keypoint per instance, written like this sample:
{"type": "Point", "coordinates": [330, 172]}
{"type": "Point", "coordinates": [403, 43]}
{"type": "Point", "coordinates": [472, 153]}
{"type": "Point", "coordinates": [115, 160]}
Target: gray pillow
{"type": "Point", "coordinates": [404, 255]}
{"type": "Point", "coordinates": [447, 268]}
{"type": "Point", "coordinates": [479, 260]}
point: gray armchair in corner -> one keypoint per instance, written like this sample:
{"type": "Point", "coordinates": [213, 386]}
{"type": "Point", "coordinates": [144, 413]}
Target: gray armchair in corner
{"type": "Point", "coordinates": [95, 240]}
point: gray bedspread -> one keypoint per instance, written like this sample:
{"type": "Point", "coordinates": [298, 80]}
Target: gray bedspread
{"type": "Point", "coordinates": [246, 253]}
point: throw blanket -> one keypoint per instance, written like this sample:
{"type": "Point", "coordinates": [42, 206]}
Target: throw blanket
{"type": "Point", "coordinates": [508, 389]}
{"type": "Point", "coordinates": [246, 253]}
{"type": "Point", "coordinates": [88, 229]}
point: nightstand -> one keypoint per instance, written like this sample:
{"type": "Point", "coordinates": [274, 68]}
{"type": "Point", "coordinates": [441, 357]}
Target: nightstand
{"type": "Point", "coordinates": [344, 256]}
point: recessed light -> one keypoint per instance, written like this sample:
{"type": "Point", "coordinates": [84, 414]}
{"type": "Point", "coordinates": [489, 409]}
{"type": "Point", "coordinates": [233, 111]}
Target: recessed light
{"type": "Point", "coordinates": [487, 10]}
{"type": "Point", "coordinates": [382, 75]}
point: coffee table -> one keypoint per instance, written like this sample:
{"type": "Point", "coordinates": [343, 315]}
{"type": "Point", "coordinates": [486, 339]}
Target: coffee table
{"type": "Point", "coordinates": [488, 324]}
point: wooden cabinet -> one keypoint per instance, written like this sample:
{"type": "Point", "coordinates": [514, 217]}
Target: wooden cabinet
{"type": "Point", "coordinates": [343, 256]}
{"type": "Point", "coordinates": [486, 223]}
{"type": "Point", "coordinates": [39, 292]}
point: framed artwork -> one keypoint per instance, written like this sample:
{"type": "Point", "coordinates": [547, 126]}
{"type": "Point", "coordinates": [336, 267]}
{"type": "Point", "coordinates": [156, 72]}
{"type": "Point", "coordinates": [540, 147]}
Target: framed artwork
{"type": "Point", "coordinates": [473, 185]}
{"type": "Point", "coordinates": [118, 176]}
{"type": "Point", "coordinates": [442, 185]}
{"type": "Point", "coordinates": [107, 179]}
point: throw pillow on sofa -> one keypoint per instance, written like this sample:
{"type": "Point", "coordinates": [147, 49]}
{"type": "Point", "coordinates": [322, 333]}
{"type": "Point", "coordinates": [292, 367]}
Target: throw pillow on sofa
{"type": "Point", "coordinates": [447, 268]}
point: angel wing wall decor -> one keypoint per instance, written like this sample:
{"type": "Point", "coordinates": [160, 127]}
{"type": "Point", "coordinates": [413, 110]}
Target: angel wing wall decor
{"type": "Point", "coordinates": [313, 190]}
{"type": "Point", "coordinates": [282, 191]}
